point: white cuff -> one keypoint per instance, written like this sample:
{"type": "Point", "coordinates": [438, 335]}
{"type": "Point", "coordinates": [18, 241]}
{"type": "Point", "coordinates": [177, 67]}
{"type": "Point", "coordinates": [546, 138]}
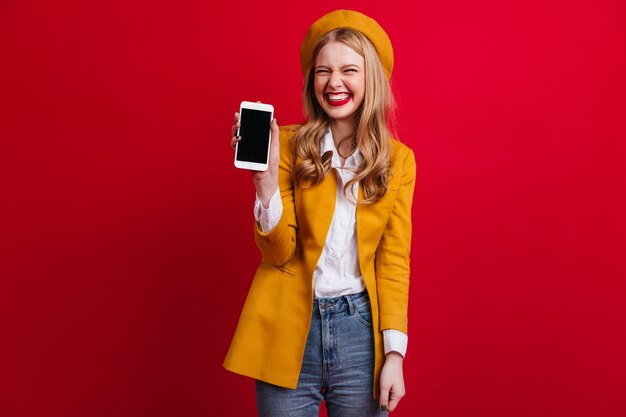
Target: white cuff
{"type": "Point", "coordinates": [395, 341]}
{"type": "Point", "coordinates": [269, 217]}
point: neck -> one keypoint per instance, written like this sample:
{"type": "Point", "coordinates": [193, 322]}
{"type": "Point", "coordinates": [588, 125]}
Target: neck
{"type": "Point", "coordinates": [342, 129]}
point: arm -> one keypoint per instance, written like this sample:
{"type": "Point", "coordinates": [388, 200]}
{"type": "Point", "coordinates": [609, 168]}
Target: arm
{"type": "Point", "coordinates": [392, 280]}
{"type": "Point", "coordinates": [392, 260]}
{"type": "Point", "coordinates": [268, 217]}
{"type": "Point", "coordinates": [278, 245]}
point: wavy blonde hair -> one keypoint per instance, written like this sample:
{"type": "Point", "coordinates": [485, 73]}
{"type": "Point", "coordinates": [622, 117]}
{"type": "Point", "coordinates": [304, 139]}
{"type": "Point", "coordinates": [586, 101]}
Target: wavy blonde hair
{"type": "Point", "coordinates": [375, 124]}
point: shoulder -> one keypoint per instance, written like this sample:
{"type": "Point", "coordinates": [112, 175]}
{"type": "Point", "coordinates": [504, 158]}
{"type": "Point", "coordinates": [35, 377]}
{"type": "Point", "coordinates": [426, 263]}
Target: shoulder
{"type": "Point", "coordinates": [403, 167]}
{"type": "Point", "coordinates": [287, 131]}
{"type": "Point", "coordinates": [400, 152]}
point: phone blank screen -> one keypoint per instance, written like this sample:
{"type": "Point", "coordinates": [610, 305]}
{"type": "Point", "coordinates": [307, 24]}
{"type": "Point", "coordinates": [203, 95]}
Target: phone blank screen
{"type": "Point", "coordinates": [254, 130]}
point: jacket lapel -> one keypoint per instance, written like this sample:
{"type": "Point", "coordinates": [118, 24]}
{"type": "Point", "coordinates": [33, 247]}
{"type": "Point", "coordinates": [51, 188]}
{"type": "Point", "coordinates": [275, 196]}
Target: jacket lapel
{"type": "Point", "coordinates": [315, 214]}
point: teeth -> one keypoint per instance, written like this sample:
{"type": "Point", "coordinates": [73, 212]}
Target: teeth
{"type": "Point", "coordinates": [338, 97]}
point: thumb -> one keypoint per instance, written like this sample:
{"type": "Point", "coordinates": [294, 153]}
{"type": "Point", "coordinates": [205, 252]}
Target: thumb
{"type": "Point", "coordinates": [384, 397]}
{"type": "Point", "coordinates": [274, 128]}
{"type": "Point", "coordinates": [274, 143]}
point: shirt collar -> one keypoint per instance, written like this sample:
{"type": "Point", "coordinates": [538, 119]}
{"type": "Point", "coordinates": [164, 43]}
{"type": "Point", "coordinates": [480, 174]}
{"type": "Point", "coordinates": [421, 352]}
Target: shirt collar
{"type": "Point", "coordinates": [328, 144]}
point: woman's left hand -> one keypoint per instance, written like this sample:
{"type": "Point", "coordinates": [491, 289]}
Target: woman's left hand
{"type": "Point", "coordinates": [391, 382]}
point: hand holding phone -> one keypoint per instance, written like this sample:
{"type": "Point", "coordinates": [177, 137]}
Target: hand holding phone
{"type": "Point", "coordinates": [265, 182]}
{"type": "Point", "coordinates": [252, 151]}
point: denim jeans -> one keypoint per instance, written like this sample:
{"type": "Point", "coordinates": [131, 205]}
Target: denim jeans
{"type": "Point", "coordinates": [338, 365]}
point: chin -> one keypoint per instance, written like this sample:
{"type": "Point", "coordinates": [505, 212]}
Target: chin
{"type": "Point", "coordinates": [340, 115]}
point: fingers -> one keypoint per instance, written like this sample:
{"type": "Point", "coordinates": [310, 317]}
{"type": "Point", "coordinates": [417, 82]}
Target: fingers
{"type": "Point", "coordinates": [394, 399]}
{"type": "Point", "coordinates": [234, 139]}
{"type": "Point", "coordinates": [235, 124]}
{"type": "Point", "coordinates": [390, 396]}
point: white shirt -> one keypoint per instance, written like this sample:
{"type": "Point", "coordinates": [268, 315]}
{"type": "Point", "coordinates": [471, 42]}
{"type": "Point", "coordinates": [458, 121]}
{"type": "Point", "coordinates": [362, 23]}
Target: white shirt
{"type": "Point", "coordinates": [337, 271]}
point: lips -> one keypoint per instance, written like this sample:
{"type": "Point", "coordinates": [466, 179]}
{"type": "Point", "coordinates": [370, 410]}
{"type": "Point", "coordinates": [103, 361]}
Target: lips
{"type": "Point", "coordinates": [337, 99]}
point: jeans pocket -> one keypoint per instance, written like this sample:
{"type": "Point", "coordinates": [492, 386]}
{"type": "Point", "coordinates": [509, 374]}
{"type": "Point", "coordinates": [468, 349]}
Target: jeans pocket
{"type": "Point", "coordinates": [363, 313]}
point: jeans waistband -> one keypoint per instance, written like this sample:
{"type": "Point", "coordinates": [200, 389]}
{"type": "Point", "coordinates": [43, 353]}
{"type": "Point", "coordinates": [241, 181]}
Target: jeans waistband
{"type": "Point", "coordinates": [347, 302]}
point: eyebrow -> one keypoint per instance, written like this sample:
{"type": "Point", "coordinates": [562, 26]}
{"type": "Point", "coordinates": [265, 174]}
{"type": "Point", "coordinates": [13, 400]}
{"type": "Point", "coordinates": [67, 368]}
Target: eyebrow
{"type": "Point", "coordinates": [345, 66]}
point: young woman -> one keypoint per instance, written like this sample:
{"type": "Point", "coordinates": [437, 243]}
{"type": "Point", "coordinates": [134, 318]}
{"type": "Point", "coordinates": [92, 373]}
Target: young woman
{"type": "Point", "coordinates": [326, 314]}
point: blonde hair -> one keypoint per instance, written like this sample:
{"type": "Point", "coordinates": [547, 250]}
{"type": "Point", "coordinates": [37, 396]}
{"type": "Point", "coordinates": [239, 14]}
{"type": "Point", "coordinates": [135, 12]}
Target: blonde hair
{"type": "Point", "coordinates": [375, 121]}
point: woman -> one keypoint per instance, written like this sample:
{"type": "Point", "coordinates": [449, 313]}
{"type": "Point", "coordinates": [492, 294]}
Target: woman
{"type": "Point", "coordinates": [326, 314]}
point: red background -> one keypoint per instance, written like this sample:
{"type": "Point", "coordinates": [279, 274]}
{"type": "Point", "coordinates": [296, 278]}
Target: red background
{"type": "Point", "coordinates": [126, 232]}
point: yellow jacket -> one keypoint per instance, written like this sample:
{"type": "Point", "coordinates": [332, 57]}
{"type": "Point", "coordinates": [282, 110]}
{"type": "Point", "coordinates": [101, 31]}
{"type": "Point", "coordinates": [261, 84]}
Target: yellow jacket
{"type": "Point", "coordinates": [273, 327]}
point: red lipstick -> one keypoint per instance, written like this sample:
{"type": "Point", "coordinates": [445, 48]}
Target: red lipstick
{"type": "Point", "coordinates": [338, 103]}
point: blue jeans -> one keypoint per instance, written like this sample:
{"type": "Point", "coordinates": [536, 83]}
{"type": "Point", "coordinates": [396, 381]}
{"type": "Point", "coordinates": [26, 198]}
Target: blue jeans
{"type": "Point", "coordinates": [338, 365]}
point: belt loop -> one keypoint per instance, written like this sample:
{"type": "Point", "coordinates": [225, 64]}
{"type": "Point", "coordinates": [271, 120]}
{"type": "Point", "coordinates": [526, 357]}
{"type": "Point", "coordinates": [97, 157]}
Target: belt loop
{"type": "Point", "coordinates": [319, 307]}
{"type": "Point", "coordinates": [350, 305]}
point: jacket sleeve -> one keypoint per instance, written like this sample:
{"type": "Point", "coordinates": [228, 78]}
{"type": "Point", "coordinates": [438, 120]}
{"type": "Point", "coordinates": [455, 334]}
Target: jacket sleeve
{"type": "Point", "coordinates": [278, 246]}
{"type": "Point", "coordinates": [393, 254]}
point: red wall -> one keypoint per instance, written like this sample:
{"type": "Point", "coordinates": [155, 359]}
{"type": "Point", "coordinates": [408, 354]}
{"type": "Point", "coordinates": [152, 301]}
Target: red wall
{"type": "Point", "coordinates": [126, 232]}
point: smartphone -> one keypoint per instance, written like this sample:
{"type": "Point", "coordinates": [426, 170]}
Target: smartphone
{"type": "Point", "coordinates": [253, 150]}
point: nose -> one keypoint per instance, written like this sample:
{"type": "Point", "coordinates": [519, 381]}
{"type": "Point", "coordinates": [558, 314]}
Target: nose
{"type": "Point", "coordinates": [335, 79]}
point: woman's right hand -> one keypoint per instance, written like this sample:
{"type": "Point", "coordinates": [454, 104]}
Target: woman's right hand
{"type": "Point", "coordinates": [265, 182]}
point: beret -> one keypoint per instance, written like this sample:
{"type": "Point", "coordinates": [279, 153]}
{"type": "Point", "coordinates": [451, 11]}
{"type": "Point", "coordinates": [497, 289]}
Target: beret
{"type": "Point", "coordinates": [347, 19]}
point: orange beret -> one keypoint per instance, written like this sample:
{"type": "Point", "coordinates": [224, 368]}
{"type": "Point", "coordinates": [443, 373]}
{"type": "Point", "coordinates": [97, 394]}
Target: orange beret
{"type": "Point", "coordinates": [350, 19]}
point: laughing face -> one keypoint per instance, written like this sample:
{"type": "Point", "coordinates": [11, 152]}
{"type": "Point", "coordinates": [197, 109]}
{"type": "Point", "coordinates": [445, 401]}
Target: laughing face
{"type": "Point", "coordinates": [339, 80]}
